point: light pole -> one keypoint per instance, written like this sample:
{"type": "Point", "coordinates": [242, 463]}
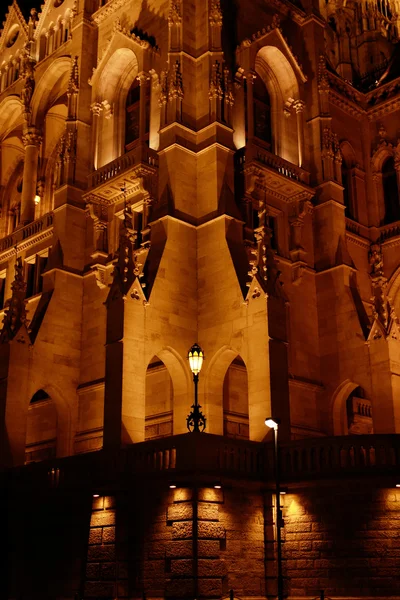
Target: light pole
{"type": "Point", "coordinates": [274, 425]}
{"type": "Point", "coordinates": [196, 421]}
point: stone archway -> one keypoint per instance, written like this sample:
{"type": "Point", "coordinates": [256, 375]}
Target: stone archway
{"type": "Point", "coordinates": [178, 372]}
{"type": "Point", "coordinates": [280, 80]}
{"type": "Point", "coordinates": [41, 428]}
{"type": "Point", "coordinates": [158, 401]}
{"type": "Point", "coordinates": [345, 410]}
{"type": "Point", "coordinates": [214, 386]}
{"type": "Point", "coordinates": [236, 400]}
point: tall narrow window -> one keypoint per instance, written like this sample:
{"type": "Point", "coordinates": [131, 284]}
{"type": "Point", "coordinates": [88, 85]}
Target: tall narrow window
{"type": "Point", "coordinates": [33, 275]}
{"type": "Point", "coordinates": [132, 116]}
{"type": "Point", "coordinates": [262, 111]}
{"type": "Point", "coordinates": [2, 288]}
{"type": "Point", "coordinates": [390, 191]}
{"type": "Point", "coordinates": [348, 190]}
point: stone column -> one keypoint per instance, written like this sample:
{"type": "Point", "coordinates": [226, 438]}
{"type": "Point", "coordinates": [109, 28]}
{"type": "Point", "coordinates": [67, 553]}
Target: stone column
{"type": "Point", "coordinates": [250, 77]}
{"type": "Point", "coordinates": [96, 108]}
{"type": "Point", "coordinates": [32, 141]}
{"type": "Point", "coordinates": [299, 106]}
{"type": "Point", "coordinates": [143, 79]}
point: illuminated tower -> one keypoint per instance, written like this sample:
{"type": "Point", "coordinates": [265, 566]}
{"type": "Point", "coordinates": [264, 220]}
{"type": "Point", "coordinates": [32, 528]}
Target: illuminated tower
{"type": "Point", "coordinates": [210, 172]}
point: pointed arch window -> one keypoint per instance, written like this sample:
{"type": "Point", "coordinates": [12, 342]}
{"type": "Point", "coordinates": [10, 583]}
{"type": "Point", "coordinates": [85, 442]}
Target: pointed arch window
{"type": "Point", "coordinates": [390, 191]}
{"type": "Point", "coordinates": [262, 111]}
{"type": "Point", "coordinates": [41, 428]}
{"type": "Point", "coordinates": [348, 192]}
{"type": "Point", "coordinates": [132, 123]}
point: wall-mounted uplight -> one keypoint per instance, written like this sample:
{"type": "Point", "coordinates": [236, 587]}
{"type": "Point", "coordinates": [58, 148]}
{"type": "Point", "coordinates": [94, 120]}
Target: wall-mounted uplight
{"type": "Point", "coordinates": [172, 486]}
{"type": "Point", "coordinates": [217, 486]}
{"type": "Point", "coordinates": [96, 495]}
{"type": "Point", "coordinates": [398, 485]}
{"type": "Point", "coordinates": [37, 199]}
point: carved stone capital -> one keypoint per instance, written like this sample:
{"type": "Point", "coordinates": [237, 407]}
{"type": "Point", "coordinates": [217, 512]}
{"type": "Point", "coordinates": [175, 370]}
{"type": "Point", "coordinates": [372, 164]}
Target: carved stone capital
{"type": "Point", "coordinates": [299, 105]}
{"type": "Point", "coordinates": [31, 137]}
{"type": "Point", "coordinates": [96, 108]}
{"type": "Point", "coordinates": [215, 15]}
{"type": "Point", "coordinates": [250, 76]}
{"type": "Point", "coordinates": [143, 78]}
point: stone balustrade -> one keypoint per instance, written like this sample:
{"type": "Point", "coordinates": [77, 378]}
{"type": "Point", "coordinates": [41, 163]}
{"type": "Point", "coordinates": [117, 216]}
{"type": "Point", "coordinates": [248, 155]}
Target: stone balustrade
{"type": "Point", "coordinates": [19, 235]}
{"type": "Point", "coordinates": [141, 154]}
{"type": "Point", "coordinates": [389, 231]}
{"type": "Point", "coordinates": [179, 456]}
{"type": "Point", "coordinates": [256, 152]}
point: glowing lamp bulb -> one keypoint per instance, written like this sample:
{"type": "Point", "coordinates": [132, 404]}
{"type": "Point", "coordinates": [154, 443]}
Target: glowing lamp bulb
{"type": "Point", "coordinates": [195, 357]}
{"type": "Point", "coordinates": [271, 423]}
{"type": "Point", "coordinates": [37, 199]}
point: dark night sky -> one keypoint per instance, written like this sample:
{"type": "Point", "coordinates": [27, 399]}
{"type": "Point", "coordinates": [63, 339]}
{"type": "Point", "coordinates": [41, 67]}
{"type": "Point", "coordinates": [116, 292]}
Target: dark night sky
{"type": "Point", "coordinates": [25, 6]}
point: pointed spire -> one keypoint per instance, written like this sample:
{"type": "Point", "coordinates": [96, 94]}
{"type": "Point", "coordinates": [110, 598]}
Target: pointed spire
{"type": "Point", "coordinates": [127, 268]}
{"type": "Point", "coordinates": [263, 264]}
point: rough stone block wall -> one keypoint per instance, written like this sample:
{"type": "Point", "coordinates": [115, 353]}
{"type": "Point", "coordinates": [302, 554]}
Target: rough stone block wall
{"type": "Point", "coordinates": [101, 568]}
{"type": "Point", "coordinates": [242, 516]}
{"type": "Point", "coordinates": [345, 540]}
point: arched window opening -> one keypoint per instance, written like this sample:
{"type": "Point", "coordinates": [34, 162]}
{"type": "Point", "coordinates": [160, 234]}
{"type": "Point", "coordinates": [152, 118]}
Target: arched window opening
{"type": "Point", "coordinates": [159, 401]}
{"type": "Point", "coordinates": [235, 400]}
{"type": "Point", "coordinates": [348, 195]}
{"type": "Point", "coordinates": [262, 112]}
{"type": "Point", "coordinates": [390, 191]}
{"type": "Point", "coordinates": [348, 180]}
{"type": "Point", "coordinates": [41, 428]}
{"type": "Point", "coordinates": [359, 413]}
{"type": "Point", "coordinates": [132, 124]}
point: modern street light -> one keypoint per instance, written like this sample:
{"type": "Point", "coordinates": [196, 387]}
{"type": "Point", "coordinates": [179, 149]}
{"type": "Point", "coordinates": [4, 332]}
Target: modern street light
{"type": "Point", "coordinates": [274, 425]}
{"type": "Point", "coordinates": [196, 421]}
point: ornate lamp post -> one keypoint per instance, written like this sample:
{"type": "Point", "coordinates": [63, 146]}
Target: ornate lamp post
{"type": "Point", "coordinates": [196, 421]}
{"type": "Point", "coordinates": [274, 425]}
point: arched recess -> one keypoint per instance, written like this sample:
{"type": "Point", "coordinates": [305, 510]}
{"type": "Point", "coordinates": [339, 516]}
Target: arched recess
{"type": "Point", "coordinates": [236, 400]}
{"type": "Point", "coordinates": [11, 161]}
{"type": "Point", "coordinates": [387, 183]}
{"type": "Point", "coordinates": [393, 290]}
{"type": "Point", "coordinates": [180, 383]}
{"type": "Point", "coordinates": [53, 128]}
{"type": "Point", "coordinates": [214, 388]}
{"type": "Point", "coordinates": [110, 90]}
{"type": "Point", "coordinates": [390, 187]}
{"type": "Point", "coordinates": [51, 86]}
{"type": "Point", "coordinates": [349, 191]}
{"type": "Point", "coordinates": [351, 410]}
{"type": "Point", "coordinates": [41, 428]}
{"type": "Point", "coordinates": [280, 80]}
{"type": "Point", "coordinates": [159, 400]}
{"type": "Point", "coordinates": [11, 201]}
{"type": "Point", "coordinates": [11, 116]}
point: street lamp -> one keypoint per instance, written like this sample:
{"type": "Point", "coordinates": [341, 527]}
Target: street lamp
{"type": "Point", "coordinates": [274, 425]}
{"type": "Point", "coordinates": [196, 421]}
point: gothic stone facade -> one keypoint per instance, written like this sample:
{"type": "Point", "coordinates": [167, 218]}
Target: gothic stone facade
{"type": "Point", "coordinates": [227, 173]}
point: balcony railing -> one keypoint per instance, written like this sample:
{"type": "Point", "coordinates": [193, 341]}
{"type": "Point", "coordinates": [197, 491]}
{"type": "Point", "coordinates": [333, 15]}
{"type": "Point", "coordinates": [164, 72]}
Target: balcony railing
{"type": "Point", "coordinates": [389, 231]}
{"type": "Point", "coordinates": [213, 456]}
{"type": "Point", "coordinates": [19, 235]}
{"type": "Point", "coordinates": [255, 151]}
{"type": "Point", "coordinates": [326, 457]}
{"type": "Point", "coordinates": [139, 155]}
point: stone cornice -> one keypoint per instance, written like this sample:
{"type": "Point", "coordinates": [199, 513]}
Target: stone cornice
{"type": "Point", "coordinates": [354, 102]}
{"type": "Point", "coordinates": [357, 240]}
{"type": "Point", "coordinates": [345, 104]}
{"type": "Point", "coordinates": [26, 244]}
